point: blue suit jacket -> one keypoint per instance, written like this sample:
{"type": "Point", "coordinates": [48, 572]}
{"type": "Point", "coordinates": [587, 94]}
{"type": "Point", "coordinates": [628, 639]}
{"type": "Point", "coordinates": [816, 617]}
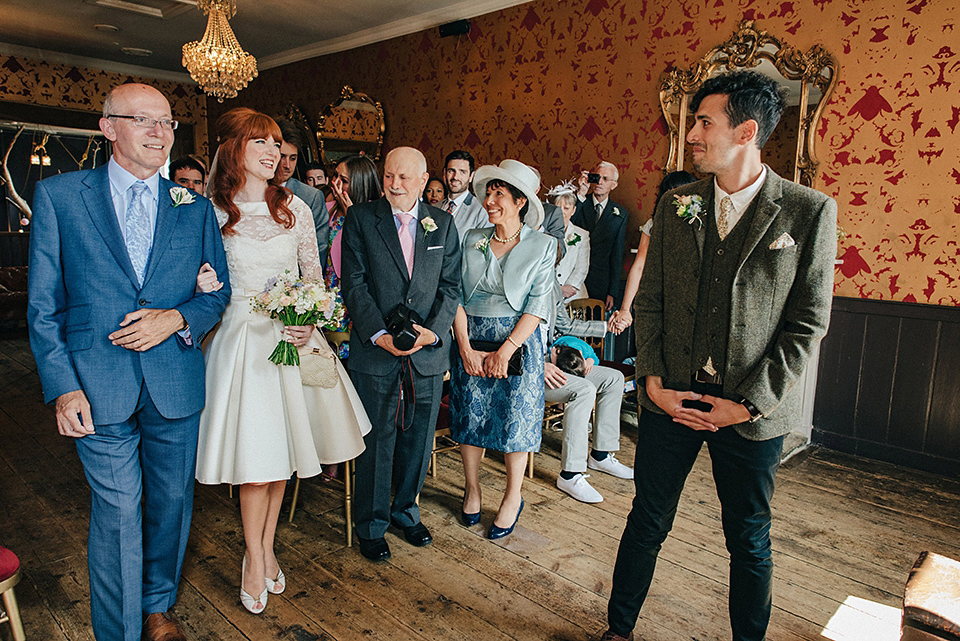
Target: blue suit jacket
{"type": "Point", "coordinates": [82, 284]}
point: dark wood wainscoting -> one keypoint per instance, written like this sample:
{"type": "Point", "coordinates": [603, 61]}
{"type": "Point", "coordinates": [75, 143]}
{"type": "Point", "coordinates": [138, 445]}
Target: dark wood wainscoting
{"type": "Point", "coordinates": [888, 385]}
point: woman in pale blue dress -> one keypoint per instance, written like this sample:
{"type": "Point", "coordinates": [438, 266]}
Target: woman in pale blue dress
{"type": "Point", "coordinates": [507, 290]}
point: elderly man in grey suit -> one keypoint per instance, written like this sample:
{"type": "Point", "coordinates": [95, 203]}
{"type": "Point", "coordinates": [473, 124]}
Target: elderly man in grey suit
{"type": "Point", "coordinates": [399, 254]}
{"type": "Point", "coordinates": [290, 148]}
{"type": "Point", "coordinates": [734, 299]}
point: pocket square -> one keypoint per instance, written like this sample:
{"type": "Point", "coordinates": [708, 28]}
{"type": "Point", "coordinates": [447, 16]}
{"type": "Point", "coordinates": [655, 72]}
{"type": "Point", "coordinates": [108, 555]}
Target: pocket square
{"type": "Point", "coordinates": [435, 247]}
{"type": "Point", "coordinates": [785, 240]}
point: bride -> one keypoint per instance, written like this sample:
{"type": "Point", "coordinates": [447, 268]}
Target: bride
{"type": "Point", "coordinates": [261, 424]}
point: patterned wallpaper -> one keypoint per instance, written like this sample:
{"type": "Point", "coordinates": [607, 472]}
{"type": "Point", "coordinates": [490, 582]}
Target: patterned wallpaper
{"type": "Point", "coordinates": [561, 84]}
{"type": "Point", "coordinates": [51, 84]}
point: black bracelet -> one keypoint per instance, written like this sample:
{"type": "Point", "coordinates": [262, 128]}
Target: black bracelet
{"type": "Point", "coordinates": [755, 414]}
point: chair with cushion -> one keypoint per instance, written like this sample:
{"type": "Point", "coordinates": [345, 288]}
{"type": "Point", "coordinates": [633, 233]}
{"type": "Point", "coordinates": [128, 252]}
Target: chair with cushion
{"type": "Point", "coordinates": [9, 577]}
{"type": "Point", "coordinates": [931, 600]}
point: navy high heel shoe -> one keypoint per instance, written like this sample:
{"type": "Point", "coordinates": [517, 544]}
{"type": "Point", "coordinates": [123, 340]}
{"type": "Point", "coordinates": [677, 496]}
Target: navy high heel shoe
{"type": "Point", "coordinates": [469, 519]}
{"type": "Point", "coordinates": [500, 532]}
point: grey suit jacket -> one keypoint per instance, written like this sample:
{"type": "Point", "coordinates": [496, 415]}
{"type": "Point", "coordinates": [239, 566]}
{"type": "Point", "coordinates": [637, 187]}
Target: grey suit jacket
{"type": "Point", "coordinates": [780, 301]}
{"type": "Point", "coordinates": [374, 281]}
{"type": "Point", "coordinates": [470, 215]}
{"type": "Point", "coordinates": [318, 207]}
{"type": "Point", "coordinates": [553, 225]}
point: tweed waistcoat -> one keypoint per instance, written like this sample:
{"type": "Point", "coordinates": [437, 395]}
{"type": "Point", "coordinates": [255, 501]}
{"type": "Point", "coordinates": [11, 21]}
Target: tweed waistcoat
{"type": "Point", "coordinates": [717, 271]}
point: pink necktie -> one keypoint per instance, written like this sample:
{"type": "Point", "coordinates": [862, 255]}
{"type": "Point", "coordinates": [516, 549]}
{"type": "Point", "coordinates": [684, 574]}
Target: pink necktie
{"type": "Point", "coordinates": [406, 240]}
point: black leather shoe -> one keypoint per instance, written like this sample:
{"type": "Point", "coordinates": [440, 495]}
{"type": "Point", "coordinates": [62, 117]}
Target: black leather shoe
{"type": "Point", "coordinates": [497, 532]}
{"type": "Point", "coordinates": [417, 535]}
{"type": "Point", "coordinates": [374, 549]}
{"type": "Point", "coordinates": [470, 519]}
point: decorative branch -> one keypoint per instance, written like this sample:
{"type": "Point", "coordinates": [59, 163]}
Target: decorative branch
{"type": "Point", "coordinates": [14, 196]}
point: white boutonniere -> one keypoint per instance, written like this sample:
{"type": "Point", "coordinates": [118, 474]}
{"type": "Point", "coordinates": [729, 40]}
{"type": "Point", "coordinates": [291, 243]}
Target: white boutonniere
{"type": "Point", "coordinates": [689, 208]}
{"type": "Point", "coordinates": [573, 241]}
{"type": "Point", "coordinates": [483, 244]}
{"type": "Point", "coordinates": [181, 196]}
{"type": "Point", "coordinates": [428, 225]}
{"type": "Point", "coordinates": [616, 211]}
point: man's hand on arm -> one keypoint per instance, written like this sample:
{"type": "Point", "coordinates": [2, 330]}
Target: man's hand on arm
{"type": "Point", "coordinates": [73, 414]}
{"type": "Point", "coordinates": [146, 328]}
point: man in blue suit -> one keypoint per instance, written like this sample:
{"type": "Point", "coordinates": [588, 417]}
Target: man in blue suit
{"type": "Point", "coordinates": [115, 328]}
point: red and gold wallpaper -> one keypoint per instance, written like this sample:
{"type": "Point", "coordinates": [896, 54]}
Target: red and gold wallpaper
{"type": "Point", "coordinates": [51, 84]}
{"type": "Point", "coordinates": [562, 84]}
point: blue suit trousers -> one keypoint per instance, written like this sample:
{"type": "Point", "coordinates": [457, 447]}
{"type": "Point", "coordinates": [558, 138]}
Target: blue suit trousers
{"type": "Point", "coordinates": [743, 472]}
{"type": "Point", "coordinates": [135, 557]}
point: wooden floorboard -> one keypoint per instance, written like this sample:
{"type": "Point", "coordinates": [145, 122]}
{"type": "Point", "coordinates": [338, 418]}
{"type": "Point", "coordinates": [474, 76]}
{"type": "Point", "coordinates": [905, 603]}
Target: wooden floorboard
{"type": "Point", "coordinates": [844, 528]}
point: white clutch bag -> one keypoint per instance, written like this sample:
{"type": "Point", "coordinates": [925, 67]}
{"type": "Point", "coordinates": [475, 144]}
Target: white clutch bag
{"type": "Point", "coordinates": [318, 367]}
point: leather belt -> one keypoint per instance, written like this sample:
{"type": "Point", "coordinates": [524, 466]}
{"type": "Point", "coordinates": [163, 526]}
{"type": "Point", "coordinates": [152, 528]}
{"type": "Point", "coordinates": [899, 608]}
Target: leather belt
{"type": "Point", "coordinates": [701, 376]}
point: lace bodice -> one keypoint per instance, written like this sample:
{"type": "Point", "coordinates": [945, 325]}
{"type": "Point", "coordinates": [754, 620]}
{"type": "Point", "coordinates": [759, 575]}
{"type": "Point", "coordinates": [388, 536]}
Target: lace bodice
{"type": "Point", "coordinates": [262, 248]}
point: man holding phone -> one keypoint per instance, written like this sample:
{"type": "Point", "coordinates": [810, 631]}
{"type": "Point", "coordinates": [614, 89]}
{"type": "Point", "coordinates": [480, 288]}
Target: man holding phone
{"type": "Point", "coordinates": [607, 223]}
{"type": "Point", "coordinates": [735, 297]}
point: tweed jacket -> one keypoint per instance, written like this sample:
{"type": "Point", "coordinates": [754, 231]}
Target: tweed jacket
{"type": "Point", "coordinates": [780, 300]}
{"type": "Point", "coordinates": [374, 281]}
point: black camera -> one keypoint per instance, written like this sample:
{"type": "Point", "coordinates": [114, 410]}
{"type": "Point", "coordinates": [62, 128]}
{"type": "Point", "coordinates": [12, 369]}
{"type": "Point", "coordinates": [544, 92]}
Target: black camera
{"type": "Point", "coordinates": [593, 178]}
{"type": "Point", "coordinates": [400, 324]}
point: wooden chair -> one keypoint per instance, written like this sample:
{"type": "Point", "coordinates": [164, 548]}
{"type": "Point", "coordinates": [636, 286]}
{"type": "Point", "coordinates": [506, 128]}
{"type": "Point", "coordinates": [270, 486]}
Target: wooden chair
{"type": "Point", "coordinates": [10, 577]}
{"type": "Point", "coordinates": [348, 481]}
{"type": "Point", "coordinates": [590, 309]}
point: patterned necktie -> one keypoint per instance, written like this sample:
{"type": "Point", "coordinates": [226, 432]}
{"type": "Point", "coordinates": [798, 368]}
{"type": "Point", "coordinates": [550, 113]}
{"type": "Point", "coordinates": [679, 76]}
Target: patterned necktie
{"type": "Point", "coordinates": [451, 206]}
{"type": "Point", "coordinates": [723, 220]}
{"type": "Point", "coordinates": [599, 211]}
{"type": "Point", "coordinates": [137, 231]}
{"type": "Point", "coordinates": [406, 240]}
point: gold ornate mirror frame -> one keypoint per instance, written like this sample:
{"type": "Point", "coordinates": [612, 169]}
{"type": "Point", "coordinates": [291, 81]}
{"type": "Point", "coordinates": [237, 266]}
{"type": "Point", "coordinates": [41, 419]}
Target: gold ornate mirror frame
{"type": "Point", "coordinates": [749, 47]}
{"type": "Point", "coordinates": [352, 124]}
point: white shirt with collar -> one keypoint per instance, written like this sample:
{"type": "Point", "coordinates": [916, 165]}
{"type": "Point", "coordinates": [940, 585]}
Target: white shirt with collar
{"type": "Point", "coordinates": [741, 200]}
{"type": "Point", "coordinates": [120, 182]}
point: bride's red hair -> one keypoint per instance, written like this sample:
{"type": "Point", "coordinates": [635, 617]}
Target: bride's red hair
{"type": "Point", "coordinates": [234, 129]}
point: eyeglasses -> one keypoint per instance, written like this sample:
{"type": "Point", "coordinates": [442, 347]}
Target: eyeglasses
{"type": "Point", "coordinates": [148, 123]}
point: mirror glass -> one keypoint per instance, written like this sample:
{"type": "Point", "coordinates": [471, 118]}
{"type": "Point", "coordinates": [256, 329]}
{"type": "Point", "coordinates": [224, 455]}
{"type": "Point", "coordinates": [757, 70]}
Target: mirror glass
{"type": "Point", "coordinates": [353, 124]}
{"type": "Point", "coordinates": [806, 77]}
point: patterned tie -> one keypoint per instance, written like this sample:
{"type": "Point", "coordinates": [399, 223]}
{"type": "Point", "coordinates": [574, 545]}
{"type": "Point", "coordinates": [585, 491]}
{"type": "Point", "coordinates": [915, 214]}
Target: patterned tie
{"type": "Point", "coordinates": [406, 240]}
{"type": "Point", "coordinates": [137, 231]}
{"type": "Point", "coordinates": [451, 206]}
{"type": "Point", "coordinates": [723, 220]}
{"type": "Point", "coordinates": [599, 211]}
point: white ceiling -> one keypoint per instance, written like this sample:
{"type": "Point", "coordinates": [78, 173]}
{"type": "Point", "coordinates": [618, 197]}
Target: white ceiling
{"type": "Point", "coordinates": [276, 32]}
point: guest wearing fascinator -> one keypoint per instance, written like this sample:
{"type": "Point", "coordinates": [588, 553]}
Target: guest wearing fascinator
{"type": "Point", "coordinates": [573, 267]}
{"type": "Point", "coordinates": [496, 402]}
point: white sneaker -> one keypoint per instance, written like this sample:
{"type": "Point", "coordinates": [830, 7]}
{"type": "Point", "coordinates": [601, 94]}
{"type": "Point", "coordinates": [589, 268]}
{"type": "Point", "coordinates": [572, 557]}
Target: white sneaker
{"type": "Point", "coordinates": [611, 466]}
{"type": "Point", "coordinates": [578, 488]}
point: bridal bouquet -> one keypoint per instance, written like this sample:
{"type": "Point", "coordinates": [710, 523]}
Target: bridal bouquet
{"type": "Point", "coordinates": [294, 302]}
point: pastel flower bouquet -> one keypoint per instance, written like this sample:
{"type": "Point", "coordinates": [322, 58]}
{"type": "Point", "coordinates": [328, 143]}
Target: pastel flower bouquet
{"type": "Point", "coordinates": [293, 301]}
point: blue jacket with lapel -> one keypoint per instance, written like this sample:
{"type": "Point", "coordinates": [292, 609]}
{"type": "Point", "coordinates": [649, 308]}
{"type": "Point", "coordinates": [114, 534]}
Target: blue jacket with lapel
{"type": "Point", "coordinates": [82, 284]}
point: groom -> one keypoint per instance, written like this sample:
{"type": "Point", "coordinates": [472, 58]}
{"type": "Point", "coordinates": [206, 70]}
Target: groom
{"type": "Point", "coordinates": [115, 328]}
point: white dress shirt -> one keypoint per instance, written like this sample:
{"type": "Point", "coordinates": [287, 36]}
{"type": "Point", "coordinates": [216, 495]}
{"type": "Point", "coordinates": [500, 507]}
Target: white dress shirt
{"type": "Point", "coordinates": [740, 200]}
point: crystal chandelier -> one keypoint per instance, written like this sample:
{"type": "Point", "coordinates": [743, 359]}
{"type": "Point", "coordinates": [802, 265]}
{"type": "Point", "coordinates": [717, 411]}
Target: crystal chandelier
{"type": "Point", "coordinates": [217, 62]}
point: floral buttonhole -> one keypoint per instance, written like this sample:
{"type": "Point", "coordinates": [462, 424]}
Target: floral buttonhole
{"type": "Point", "coordinates": [429, 225]}
{"type": "Point", "coordinates": [483, 244]}
{"type": "Point", "coordinates": [689, 208]}
{"type": "Point", "coordinates": [181, 196]}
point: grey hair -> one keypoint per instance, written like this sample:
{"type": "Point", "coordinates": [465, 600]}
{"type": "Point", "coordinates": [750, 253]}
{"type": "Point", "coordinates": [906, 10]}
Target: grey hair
{"type": "Point", "coordinates": [108, 101]}
{"type": "Point", "coordinates": [568, 196]}
{"type": "Point", "coordinates": [610, 165]}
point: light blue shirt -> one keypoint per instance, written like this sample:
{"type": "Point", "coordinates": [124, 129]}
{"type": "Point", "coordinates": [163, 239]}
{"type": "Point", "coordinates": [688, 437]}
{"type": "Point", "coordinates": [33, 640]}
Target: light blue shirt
{"type": "Point", "coordinates": [120, 182]}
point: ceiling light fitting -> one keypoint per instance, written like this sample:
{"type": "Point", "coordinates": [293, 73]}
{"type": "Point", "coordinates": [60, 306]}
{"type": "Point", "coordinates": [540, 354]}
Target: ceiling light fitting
{"type": "Point", "coordinates": [217, 62]}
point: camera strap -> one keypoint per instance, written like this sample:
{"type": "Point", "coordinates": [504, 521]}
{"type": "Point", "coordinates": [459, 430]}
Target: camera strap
{"type": "Point", "coordinates": [408, 393]}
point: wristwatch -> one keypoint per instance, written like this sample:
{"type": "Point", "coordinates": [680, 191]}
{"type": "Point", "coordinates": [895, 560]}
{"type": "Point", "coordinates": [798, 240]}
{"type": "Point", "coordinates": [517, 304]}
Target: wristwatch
{"type": "Point", "coordinates": [755, 414]}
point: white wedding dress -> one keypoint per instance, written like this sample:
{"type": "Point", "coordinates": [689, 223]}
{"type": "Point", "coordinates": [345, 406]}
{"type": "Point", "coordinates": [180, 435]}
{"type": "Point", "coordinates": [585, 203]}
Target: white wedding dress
{"type": "Point", "coordinates": [260, 423]}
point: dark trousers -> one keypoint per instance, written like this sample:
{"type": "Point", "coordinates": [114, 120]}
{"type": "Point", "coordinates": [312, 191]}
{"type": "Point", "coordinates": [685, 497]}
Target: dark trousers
{"type": "Point", "coordinates": [743, 472]}
{"type": "Point", "coordinates": [135, 555]}
{"type": "Point", "coordinates": [395, 456]}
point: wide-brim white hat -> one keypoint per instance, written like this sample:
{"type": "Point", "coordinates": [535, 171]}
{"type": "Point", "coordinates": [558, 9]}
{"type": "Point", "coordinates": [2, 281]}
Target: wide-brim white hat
{"type": "Point", "coordinates": [519, 175]}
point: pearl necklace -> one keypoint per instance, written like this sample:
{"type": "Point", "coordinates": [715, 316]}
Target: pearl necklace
{"type": "Point", "coordinates": [508, 240]}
